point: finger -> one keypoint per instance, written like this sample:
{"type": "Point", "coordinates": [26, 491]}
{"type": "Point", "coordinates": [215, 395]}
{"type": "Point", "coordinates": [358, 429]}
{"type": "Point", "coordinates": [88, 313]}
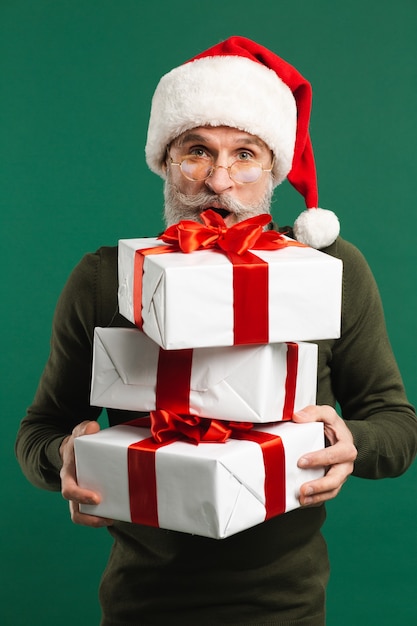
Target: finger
{"type": "Point", "coordinates": [333, 480]}
{"type": "Point", "coordinates": [83, 519]}
{"type": "Point", "coordinates": [88, 427]}
{"type": "Point", "coordinates": [340, 452]}
{"type": "Point", "coordinates": [326, 488]}
{"type": "Point", "coordinates": [70, 490]}
{"type": "Point", "coordinates": [69, 487]}
{"type": "Point", "coordinates": [315, 413]}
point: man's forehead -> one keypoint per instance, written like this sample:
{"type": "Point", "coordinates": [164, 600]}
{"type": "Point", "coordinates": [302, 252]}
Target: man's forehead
{"type": "Point", "coordinates": [202, 134]}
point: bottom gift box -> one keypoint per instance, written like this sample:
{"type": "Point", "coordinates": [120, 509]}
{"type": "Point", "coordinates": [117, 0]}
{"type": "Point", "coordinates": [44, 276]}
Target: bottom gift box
{"type": "Point", "coordinates": [211, 489]}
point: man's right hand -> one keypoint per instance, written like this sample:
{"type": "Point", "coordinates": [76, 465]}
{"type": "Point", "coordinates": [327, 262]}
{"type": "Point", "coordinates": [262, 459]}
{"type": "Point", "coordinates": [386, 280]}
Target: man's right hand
{"type": "Point", "coordinates": [69, 486]}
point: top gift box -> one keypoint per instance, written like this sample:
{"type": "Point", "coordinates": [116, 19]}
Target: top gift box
{"type": "Point", "coordinates": [216, 297]}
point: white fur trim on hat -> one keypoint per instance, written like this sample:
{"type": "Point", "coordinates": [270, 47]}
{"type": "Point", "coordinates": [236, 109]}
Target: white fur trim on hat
{"type": "Point", "coordinates": [318, 228]}
{"type": "Point", "coordinates": [223, 91]}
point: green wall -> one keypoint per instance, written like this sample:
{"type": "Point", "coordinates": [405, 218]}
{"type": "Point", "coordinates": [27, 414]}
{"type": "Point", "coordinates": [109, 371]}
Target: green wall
{"type": "Point", "coordinates": [76, 81]}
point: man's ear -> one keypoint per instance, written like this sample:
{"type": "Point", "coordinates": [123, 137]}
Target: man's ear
{"type": "Point", "coordinates": [165, 162]}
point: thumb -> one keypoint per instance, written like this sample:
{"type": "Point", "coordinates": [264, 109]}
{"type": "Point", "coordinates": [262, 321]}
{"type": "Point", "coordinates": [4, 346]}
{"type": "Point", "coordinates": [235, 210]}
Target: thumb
{"type": "Point", "coordinates": [86, 428]}
{"type": "Point", "coordinates": [307, 414]}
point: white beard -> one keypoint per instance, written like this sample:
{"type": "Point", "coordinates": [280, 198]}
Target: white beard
{"type": "Point", "coordinates": [180, 206]}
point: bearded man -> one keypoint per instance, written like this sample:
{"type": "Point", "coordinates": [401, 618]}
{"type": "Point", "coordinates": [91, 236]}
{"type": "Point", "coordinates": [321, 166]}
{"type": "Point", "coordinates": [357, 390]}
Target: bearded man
{"type": "Point", "coordinates": [225, 129]}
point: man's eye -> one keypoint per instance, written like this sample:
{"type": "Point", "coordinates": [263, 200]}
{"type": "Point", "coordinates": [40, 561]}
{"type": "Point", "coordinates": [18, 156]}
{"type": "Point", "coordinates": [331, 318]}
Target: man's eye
{"type": "Point", "coordinates": [199, 152]}
{"type": "Point", "coordinates": [245, 156]}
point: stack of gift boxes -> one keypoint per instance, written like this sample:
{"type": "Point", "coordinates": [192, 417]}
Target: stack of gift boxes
{"type": "Point", "coordinates": [221, 356]}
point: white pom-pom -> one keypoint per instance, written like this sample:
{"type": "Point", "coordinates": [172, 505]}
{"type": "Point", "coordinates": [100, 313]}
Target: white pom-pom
{"type": "Point", "coordinates": [317, 228]}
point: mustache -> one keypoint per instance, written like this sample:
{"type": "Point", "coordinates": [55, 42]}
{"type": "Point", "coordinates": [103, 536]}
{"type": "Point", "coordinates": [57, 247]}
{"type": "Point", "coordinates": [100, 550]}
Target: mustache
{"type": "Point", "coordinates": [180, 206]}
{"type": "Point", "coordinates": [203, 200]}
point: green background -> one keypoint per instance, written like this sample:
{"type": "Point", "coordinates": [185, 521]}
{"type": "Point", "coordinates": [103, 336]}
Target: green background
{"type": "Point", "coordinates": [76, 81]}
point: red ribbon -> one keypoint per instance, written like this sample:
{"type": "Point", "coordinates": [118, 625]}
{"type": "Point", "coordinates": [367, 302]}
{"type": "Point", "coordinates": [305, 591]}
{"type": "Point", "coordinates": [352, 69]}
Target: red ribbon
{"type": "Point", "coordinates": [250, 273]}
{"type": "Point", "coordinates": [137, 278]}
{"type": "Point", "coordinates": [173, 380]}
{"type": "Point", "coordinates": [167, 427]}
{"type": "Point", "coordinates": [290, 381]}
{"type": "Point", "coordinates": [189, 236]}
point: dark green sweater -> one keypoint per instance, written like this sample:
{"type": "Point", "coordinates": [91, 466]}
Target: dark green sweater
{"type": "Point", "coordinates": [275, 573]}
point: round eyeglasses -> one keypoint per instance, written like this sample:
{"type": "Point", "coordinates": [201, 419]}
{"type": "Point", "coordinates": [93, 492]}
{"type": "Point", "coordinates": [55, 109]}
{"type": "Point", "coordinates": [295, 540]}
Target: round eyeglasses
{"type": "Point", "coordinates": [198, 169]}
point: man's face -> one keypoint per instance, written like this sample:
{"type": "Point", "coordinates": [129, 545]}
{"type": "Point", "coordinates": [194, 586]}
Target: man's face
{"type": "Point", "coordinates": [186, 199]}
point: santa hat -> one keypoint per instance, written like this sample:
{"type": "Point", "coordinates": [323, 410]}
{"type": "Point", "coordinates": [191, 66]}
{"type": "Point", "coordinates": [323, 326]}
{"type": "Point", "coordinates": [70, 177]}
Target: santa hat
{"type": "Point", "coordinates": [240, 84]}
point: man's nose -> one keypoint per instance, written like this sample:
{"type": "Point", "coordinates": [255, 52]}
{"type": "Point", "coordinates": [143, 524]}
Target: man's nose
{"type": "Point", "coordinates": [219, 181]}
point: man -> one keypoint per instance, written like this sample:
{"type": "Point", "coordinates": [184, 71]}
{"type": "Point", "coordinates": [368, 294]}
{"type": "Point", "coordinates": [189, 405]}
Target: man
{"type": "Point", "coordinates": [224, 130]}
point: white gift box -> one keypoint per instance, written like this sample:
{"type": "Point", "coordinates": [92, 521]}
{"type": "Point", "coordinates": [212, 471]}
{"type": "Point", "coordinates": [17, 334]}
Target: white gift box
{"type": "Point", "coordinates": [187, 300]}
{"type": "Point", "coordinates": [251, 383]}
{"type": "Point", "coordinates": [213, 489]}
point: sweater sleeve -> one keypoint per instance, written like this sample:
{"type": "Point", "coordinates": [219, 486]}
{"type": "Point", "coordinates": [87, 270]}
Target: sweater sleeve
{"type": "Point", "coordinates": [365, 377]}
{"type": "Point", "coordinates": [62, 397]}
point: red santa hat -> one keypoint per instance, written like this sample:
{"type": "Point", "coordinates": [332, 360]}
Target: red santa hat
{"type": "Point", "coordinates": [240, 84]}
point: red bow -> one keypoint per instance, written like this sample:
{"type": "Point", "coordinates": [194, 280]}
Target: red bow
{"type": "Point", "coordinates": [167, 426]}
{"type": "Point", "coordinates": [189, 236]}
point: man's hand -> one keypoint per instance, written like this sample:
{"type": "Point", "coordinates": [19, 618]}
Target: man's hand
{"type": "Point", "coordinates": [338, 458]}
{"type": "Point", "coordinates": [69, 487]}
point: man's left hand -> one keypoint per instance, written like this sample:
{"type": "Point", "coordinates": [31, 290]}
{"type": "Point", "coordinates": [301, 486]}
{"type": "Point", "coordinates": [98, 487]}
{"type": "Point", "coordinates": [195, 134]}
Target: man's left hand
{"type": "Point", "coordinates": [338, 458]}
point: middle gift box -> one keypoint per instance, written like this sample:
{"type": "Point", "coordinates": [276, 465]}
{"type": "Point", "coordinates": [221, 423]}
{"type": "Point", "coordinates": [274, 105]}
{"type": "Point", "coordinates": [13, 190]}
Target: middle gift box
{"type": "Point", "coordinates": [253, 383]}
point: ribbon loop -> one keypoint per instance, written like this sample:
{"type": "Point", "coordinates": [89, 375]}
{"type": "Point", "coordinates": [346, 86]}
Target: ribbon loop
{"type": "Point", "coordinates": [167, 426]}
{"type": "Point", "coordinates": [189, 236]}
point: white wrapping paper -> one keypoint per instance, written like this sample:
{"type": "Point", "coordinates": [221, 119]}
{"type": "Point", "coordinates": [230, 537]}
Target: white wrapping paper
{"type": "Point", "coordinates": [213, 489]}
{"type": "Point", "coordinates": [241, 383]}
{"type": "Point", "coordinates": [187, 299]}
